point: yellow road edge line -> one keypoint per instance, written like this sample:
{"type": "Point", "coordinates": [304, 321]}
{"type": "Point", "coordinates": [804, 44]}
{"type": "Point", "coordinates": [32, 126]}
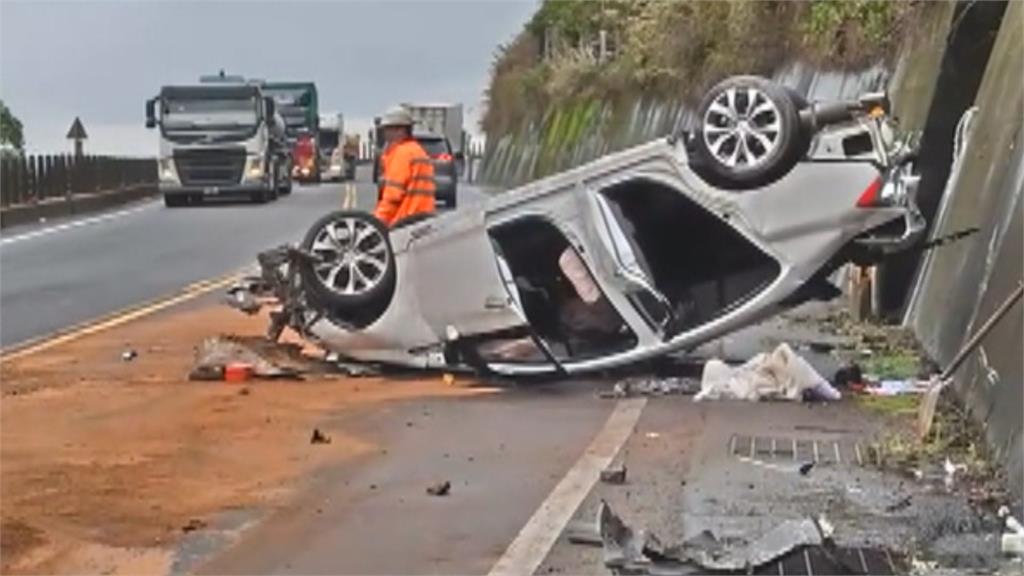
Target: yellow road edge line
{"type": "Point", "coordinates": [350, 196]}
{"type": "Point", "coordinates": [189, 292]}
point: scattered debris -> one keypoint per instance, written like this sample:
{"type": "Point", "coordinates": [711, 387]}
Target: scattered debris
{"type": "Point", "coordinates": [244, 391]}
{"type": "Point", "coordinates": [850, 376]}
{"type": "Point", "coordinates": [652, 435]}
{"type": "Point", "coordinates": [898, 387]}
{"type": "Point", "coordinates": [614, 475]}
{"type": "Point", "coordinates": [129, 355]}
{"type": "Point", "coordinates": [632, 387]}
{"type": "Point", "coordinates": [901, 504]}
{"type": "Point", "coordinates": [266, 359]}
{"type": "Point", "coordinates": [352, 369]}
{"type": "Point", "coordinates": [440, 489]}
{"type": "Point", "coordinates": [622, 546]}
{"type": "Point", "coordinates": [1012, 541]}
{"type": "Point", "coordinates": [193, 525]}
{"type": "Point", "coordinates": [787, 468]}
{"type": "Point", "coordinates": [319, 437]}
{"type": "Point", "coordinates": [780, 374]}
{"type": "Point", "coordinates": [583, 533]}
{"type": "Point", "coordinates": [951, 470]}
{"type": "Point", "coordinates": [237, 372]}
{"type": "Point", "coordinates": [448, 379]}
{"type": "Point", "coordinates": [805, 468]}
{"type": "Point", "coordinates": [637, 552]}
{"type": "Point", "coordinates": [821, 347]}
{"type": "Point", "coordinates": [241, 298]}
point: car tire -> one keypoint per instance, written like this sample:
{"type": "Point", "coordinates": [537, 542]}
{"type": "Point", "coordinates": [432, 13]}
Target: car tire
{"type": "Point", "coordinates": [175, 200]}
{"type": "Point", "coordinates": [353, 281]}
{"type": "Point", "coordinates": [749, 133]}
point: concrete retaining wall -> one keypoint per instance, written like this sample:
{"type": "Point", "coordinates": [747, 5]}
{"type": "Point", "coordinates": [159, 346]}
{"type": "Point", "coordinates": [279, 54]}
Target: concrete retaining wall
{"type": "Point", "coordinates": [962, 283]}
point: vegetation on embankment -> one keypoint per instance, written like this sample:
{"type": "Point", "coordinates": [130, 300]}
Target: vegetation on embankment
{"type": "Point", "coordinates": [674, 49]}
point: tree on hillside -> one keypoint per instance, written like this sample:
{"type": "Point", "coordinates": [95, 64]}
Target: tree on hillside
{"type": "Point", "coordinates": [10, 128]}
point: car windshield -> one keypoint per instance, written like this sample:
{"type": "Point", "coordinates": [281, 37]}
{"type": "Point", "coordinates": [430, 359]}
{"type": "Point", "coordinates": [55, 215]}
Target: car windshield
{"type": "Point", "coordinates": [205, 113]}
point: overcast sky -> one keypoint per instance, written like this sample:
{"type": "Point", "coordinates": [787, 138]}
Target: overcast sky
{"type": "Point", "coordinates": [101, 60]}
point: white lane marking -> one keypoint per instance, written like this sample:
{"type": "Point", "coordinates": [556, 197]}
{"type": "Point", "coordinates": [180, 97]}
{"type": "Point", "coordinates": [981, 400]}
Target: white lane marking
{"type": "Point", "coordinates": [77, 224]}
{"type": "Point", "coordinates": [535, 540]}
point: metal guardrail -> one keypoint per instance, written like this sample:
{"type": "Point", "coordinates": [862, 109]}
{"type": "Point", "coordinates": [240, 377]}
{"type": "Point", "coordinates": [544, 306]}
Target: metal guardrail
{"type": "Point", "coordinates": [27, 180]}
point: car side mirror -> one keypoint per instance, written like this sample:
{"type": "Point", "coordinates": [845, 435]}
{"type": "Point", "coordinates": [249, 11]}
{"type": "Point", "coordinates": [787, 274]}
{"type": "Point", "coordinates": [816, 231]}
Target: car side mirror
{"type": "Point", "coordinates": [151, 113]}
{"type": "Point", "coordinates": [269, 106]}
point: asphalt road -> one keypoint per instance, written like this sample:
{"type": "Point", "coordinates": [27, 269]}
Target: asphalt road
{"type": "Point", "coordinates": [63, 273]}
{"type": "Point", "coordinates": [503, 454]}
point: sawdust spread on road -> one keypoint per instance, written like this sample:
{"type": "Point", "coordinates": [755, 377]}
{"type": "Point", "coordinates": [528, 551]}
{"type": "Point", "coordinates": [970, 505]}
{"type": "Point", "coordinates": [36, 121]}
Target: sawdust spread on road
{"type": "Point", "coordinates": [104, 461]}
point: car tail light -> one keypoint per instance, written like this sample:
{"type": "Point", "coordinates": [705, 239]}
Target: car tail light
{"type": "Point", "coordinates": [869, 197]}
{"type": "Point", "coordinates": [443, 157]}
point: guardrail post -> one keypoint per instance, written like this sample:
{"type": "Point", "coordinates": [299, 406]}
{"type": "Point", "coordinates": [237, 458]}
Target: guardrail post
{"type": "Point", "coordinates": [65, 180]}
{"type": "Point", "coordinates": [37, 178]}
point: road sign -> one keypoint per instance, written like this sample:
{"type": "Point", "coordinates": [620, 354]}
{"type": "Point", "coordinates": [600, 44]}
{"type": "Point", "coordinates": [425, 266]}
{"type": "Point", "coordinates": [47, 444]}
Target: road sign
{"type": "Point", "coordinates": [77, 131]}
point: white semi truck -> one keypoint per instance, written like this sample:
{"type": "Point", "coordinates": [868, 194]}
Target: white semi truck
{"type": "Point", "coordinates": [219, 139]}
{"type": "Point", "coordinates": [335, 159]}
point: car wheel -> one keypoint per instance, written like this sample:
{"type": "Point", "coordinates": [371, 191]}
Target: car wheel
{"type": "Point", "coordinates": [175, 200]}
{"type": "Point", "coordinates": [353, 273]}
{"type": "Point", "coordinates": [750, 133]}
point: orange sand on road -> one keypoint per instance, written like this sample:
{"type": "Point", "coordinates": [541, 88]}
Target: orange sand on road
{"type": "Point", "coordinates": [104, 461]}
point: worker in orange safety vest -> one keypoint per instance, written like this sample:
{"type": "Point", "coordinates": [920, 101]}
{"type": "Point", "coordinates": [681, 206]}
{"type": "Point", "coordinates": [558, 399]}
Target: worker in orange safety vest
{"type": "Point", "coordinates": [406, 182]}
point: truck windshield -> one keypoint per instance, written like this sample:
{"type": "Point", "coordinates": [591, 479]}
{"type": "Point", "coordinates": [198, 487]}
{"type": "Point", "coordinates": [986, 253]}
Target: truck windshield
{"type": "Point", "coordinates": [195, 113]}
{"type": "Point", "coordinates": [328, 139]}
{"type": "Point", "coordinates": [294, 105]}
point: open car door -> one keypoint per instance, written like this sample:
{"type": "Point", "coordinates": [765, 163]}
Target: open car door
{"type": "Point", "coordinates": [623, 261]}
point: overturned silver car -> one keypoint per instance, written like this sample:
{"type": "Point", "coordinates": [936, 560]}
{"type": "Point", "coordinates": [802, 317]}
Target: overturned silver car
{"type": "Point", "coordinates": [651, 250]}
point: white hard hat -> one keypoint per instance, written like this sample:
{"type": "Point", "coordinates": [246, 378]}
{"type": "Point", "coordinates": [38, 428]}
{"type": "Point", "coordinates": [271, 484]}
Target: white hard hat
{"type": "Point", "coordinates": [396, 116]}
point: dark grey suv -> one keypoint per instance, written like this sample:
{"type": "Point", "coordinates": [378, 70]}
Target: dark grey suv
{"type": "Point", "coordinates": [445, 172]}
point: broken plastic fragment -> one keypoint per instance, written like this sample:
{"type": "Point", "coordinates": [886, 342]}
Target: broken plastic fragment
{"type": "Point", "coordinates": [614, 475]}
{"type": "Point", "coordinates": [636, 551]}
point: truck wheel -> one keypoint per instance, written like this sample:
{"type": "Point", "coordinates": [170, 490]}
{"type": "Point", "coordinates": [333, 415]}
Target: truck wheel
{"type": "Point", "coordinates": [353, 275]}
{"type": "Point", "coordinates": [259, 197]}
{"type": "Point", "coordinates": [750, 133]}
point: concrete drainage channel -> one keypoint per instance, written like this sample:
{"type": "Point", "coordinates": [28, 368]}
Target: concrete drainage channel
{"type": "Point", "coordinates": [818, 561]}
{"type": "Point", "coordinates": [797, 449]}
